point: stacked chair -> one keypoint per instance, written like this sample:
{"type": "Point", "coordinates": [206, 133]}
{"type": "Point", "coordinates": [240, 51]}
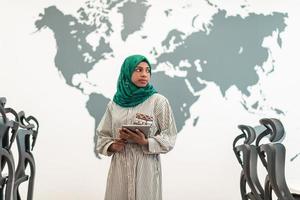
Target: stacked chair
{"type": "Point", "coordinates": [24, 130]}
{"type": "Point", "coordinates": [247, 158]}
{"type": "Point", "coordinates": [270, 154]}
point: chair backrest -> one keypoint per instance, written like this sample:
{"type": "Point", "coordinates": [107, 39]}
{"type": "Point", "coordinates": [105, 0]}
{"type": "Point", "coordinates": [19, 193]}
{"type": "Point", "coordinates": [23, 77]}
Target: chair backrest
{"type": "Point", "coordinates": [3, 115]}
{"type": "Point", "coordinates": [7, 127]}
{"type": "Point", "coordinates": [2, 101]}
{"type": "Point", "coordinates": [25, 146]}
{"type": "Point", "coordinates": [274, 158]}
{"type": "Point", "coordinates": [247, 157]}
{"type": "Point", "coordinates": [3, 122]}
{"type": "Point", "coordinates": [8, 141]}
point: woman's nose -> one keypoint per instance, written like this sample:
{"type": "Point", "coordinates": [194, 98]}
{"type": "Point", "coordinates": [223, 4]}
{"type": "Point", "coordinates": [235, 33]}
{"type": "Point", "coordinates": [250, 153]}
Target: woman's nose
{"type": "Point", "coordinates": [144, 73]}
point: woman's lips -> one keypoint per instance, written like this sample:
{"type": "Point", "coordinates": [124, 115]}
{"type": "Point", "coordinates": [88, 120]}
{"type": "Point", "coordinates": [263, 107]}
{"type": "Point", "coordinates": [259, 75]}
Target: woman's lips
{"type": "Point", "coordinates": [143, 81]}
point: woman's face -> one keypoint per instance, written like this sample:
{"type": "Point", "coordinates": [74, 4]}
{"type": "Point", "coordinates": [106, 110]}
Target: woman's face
{"type": "Point", "coordinates": [141, 75]}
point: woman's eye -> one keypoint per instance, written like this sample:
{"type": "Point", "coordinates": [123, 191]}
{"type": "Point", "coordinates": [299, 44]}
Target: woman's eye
{"type": "Point", "coordinates": [140, 70]}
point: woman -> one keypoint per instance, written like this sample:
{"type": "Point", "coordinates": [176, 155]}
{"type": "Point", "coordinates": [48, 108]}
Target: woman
{"type": "Point", "coordinates": [135, 171]}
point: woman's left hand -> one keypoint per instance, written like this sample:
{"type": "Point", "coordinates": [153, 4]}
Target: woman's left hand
{"type": "Point", "coordinates": [137, 136]}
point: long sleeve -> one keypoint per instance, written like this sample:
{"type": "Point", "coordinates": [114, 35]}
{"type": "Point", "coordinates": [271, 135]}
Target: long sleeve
{"type": "Point", "coordinates": [165, 138]}
{"type": "Point", "coordinates": [104, 133]}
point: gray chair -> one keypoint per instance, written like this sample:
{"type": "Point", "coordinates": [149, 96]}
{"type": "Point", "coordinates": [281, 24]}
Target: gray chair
{"type": "Point", "coordinates": [6, 158]}
{"type": "Point", "coordinates": [273, 158]}
{"type": "Point", "coordinates": [29, 129]}
{"type": "Point", "coordinates": [247, 157]}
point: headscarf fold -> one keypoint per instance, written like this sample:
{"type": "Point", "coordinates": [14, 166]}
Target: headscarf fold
{"type": "Point", "coordinates": [128, 94]}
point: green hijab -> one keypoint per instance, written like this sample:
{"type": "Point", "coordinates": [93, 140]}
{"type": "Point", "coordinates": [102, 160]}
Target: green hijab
{"type": "Point", "coordinates": [128, 94]}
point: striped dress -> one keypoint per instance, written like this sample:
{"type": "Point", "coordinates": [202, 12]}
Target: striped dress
{"type": "Point", "coordinates": [135, 173]}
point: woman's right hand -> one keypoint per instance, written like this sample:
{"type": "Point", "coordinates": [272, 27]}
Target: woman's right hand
{"type": "Point", "coordinates": [117, 146]}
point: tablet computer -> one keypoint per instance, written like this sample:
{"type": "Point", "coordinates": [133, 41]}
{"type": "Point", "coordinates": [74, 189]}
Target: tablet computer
{"type": "Point", "coordinates": [144, 128]}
